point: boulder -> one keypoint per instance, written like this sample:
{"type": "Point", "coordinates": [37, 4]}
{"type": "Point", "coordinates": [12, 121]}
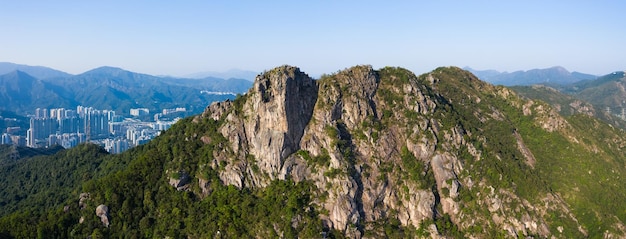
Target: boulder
{"type": "Point", "coordinates": [102, 211]}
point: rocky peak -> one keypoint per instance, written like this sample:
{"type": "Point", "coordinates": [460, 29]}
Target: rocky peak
{"type": "Point", "coordinates": [351, 93]}
{"type": "Point", "coordinates": [280, 105]}
{"type": "Point", "coordinates": [268, 126]}
{"type": "Point", "coordinates": [385, 144]}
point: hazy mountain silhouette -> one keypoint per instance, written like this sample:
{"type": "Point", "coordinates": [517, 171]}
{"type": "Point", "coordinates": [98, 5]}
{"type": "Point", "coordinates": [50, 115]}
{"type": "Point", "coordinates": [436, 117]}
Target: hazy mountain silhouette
{"type": "Point", "coordinates": [554, 76]}
{"type": "Point", "coordinates": [39, 72]}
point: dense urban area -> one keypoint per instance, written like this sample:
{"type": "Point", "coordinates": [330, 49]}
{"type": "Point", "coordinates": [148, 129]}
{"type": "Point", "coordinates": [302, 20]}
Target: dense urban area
{"type": "Point", "coordinates": [69, 127]}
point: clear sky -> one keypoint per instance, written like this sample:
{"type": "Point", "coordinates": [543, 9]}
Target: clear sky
{"type": "Point", "coordinates": [184, 37]}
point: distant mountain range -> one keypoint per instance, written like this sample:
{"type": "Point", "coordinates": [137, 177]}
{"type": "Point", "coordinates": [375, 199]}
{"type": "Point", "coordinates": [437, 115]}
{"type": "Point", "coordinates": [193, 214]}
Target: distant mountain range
{"type": "Point", "coordinates": [551, 76]}
{"type": "Point", "coordinates": [40, 72]}
{"type": "Point", "coordinates": [25, 88]}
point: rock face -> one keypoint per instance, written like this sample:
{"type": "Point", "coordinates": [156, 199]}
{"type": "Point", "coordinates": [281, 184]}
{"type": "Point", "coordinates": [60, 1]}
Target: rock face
{"type": "Point", "coordinates": [81, 200]}
{"type": "Point", "coordinates": [281, 104]}
{"type": "Point", "coordinates": [278, 109]}
{"type": "Point", "coordinates": [181, 182]}
{"type": "Point", "coordinates": [383, 144]}
{"type": "Point", "coordinates": [102, 211]}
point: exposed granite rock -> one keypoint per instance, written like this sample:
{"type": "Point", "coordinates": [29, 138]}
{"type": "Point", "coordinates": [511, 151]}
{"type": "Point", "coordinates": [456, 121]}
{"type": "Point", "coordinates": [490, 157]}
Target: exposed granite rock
{"type": "Point", "coordinates": [181, 182]}
{"type": "Point", "coordinates": [102, 211]}
{"type": "Point", "coordinates": [81, 200]}
{"type": "Point", "coordinates": [446, 168]}
{"type": "Point", "coordinates": [281, 104]}
{"type": "Point", "coordinates": [528, 155]}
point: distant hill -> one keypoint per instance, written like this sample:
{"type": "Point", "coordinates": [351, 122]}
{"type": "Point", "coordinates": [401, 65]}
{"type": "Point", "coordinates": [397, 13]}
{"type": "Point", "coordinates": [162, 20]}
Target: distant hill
{"type": "Point", "coordinates": [608, 91]}
{"type": "Point", "coordinates": [39, 72]}
{"type": "Point", "coordinates": [567, 104]}
{"type": "Point", "coordinates": [113, 89]}
{"type": "Point", "coordinates": [552, 76]}
{"type": "Point", "coordinates": [20, 92]}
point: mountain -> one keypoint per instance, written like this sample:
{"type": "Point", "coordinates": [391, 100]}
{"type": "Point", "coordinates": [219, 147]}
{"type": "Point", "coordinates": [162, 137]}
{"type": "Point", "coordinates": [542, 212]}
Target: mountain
{"type": "Point", "coordinates": [120, 90]}
{"type": "Point", "coordinates": [605, 92]}
{"type": "Point", "coordinates": [553, 76]}
{"type": "Point", "coordinates": [113, 89]}
{"type": "Point", "coordinates": [20, 92]}
{"type": "Point", "coordinates": [361, 153]}
{"type": "Point", "coordinates": [568, 104]}
{"type": "Point", "coordinates": [39, 72]}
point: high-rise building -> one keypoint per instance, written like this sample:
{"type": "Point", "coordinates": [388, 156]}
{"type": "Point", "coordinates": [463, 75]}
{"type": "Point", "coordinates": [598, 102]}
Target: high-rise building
{"type": "Point", "coordinates": [69, 125]}
{"type": "Point", "coordinates": [97, 123]}
{"type": "Point", "coordinates": [30, 138]}
{"type": "Point", "coordinates": [116, 146]}
{"type": "Point", "coordinates": [40, 129]}
{"type": "Point", "coordinates": [6, 139]}
{"type": "Point", "coordinates": [38, 113]}
{"type": "Point", "coordinates": [58, 113]}
{"type": "Point", "coordinates": [139, 111]}
{"type": "Point", "coordinates": [70, 114]}
{"type": "Point", "coordinates": [110, 115]}
{"type": "Point", "coordinates": [120, 146]}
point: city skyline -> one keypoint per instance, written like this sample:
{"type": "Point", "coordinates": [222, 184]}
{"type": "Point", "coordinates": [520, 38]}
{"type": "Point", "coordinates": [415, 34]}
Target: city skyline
{"type": "Point", "coordinates": [171, 38]}
{"type": "Point", "coordinates": [69, 127]}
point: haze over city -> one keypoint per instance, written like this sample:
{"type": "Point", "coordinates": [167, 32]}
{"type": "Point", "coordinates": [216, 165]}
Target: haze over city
{"type": "Point", "coordinates": [180, 38]}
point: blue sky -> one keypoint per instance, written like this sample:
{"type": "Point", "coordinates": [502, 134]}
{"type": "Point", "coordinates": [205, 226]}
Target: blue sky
{"type": "Point", "coordinates": [184, 37]}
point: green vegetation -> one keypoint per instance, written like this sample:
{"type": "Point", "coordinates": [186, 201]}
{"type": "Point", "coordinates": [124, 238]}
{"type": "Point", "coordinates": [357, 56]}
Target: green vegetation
{"type": "Point", "coordinates": [10, 154]}
{"type": "Point", "coordinates": [142, 204]}
{"type": "Point", "coordinates": [412, 166]}
{"type": "Point", "coordinates": [43, 183]}
{"type": "Point", "coordinates": [321, 160]}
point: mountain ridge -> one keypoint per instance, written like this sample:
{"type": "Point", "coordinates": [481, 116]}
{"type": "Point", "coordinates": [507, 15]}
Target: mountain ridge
{"type": "Point", "coordinates": [20, 90]}
{"type": "Point", "coordinates": [362, 153]}
{"type": "Point", "coordinates": [40, 72]}
{"type": "Point", "coordinates": [556, 75]}
{"type": "Point", "coordinates": [117, 89]}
